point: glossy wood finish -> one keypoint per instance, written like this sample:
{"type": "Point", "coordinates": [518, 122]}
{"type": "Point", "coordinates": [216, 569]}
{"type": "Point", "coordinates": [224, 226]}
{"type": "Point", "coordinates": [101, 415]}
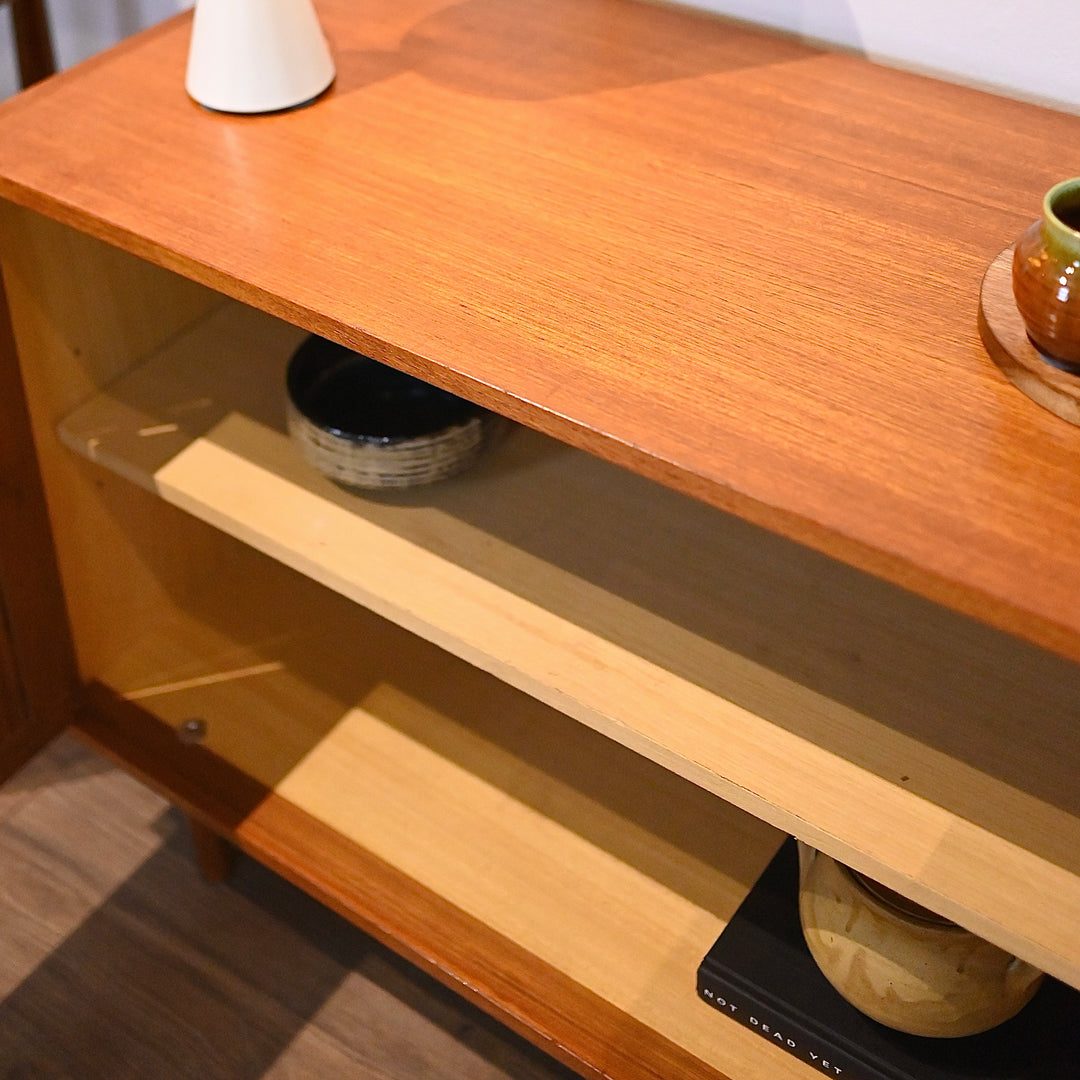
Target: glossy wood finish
{"type": "Point", "coordinates": [739, 266]}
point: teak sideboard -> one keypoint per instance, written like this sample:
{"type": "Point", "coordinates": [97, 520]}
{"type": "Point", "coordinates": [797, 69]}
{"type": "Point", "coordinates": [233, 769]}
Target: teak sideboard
{"type": "Point", "coordinates": [773, 547]}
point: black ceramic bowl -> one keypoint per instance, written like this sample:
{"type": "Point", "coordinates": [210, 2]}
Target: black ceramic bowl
{"type": "Point", "coordinates": [366, 425]}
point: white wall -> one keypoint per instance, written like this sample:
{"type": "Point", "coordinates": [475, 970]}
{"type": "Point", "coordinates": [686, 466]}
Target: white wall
{"type": "Point", "coordinates": [83, 27]}
{"type": "Point", "coordinates": [1026, 48]}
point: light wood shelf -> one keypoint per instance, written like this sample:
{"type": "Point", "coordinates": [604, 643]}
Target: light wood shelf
{"type": "Point", "coordinates": [737, 666]}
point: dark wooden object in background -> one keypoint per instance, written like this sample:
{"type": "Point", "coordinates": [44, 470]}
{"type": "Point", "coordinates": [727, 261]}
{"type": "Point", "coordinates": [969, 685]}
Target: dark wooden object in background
{"type": "Point", "coordinates": [33, 40]}
{"type": "Point", "coordinates": [37, 665]}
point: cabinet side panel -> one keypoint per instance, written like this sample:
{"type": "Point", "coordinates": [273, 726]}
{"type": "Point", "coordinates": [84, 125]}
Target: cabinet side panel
{"type": "Point", "coordinates": [12, 701]}
{"type": "Point", "coordinates": [81, 314]}
{"type": "Point", "coordinates": [37, 668]}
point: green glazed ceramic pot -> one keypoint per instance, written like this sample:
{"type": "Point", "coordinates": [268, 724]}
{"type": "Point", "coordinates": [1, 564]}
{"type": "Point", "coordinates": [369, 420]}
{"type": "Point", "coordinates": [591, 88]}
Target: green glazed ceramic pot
{"type": "Point", "coordinates": [1046, 276]}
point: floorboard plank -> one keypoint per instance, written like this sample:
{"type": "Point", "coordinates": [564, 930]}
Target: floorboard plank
{"type": "Point", "coordinates": [117, 960]}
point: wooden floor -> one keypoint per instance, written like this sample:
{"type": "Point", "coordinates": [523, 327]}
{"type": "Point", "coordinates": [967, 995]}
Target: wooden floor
{"type": "Point", "coordinates": [118, 962]}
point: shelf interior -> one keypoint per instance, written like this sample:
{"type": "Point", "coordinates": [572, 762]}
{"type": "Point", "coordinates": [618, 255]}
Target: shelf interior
{"type": "Point", "coordinates": [869, 722]}
{"type": "Point", "coordinates": [593, 860]}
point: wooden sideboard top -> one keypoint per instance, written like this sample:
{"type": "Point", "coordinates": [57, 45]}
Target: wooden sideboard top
{"type": "Point", "coordinates": [736, 264]}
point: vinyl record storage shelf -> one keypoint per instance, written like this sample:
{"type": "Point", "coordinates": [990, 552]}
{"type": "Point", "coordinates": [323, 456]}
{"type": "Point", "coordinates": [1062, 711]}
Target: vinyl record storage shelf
{"type": "Point", "coordinates": [769, 548]}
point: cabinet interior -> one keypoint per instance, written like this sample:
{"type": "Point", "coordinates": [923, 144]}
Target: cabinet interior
{"type": "Point", "coordinates": [545, 585]}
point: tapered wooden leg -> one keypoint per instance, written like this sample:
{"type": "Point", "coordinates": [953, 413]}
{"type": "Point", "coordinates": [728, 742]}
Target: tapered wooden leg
{"type": "Point", "coordinates": [214, 854]}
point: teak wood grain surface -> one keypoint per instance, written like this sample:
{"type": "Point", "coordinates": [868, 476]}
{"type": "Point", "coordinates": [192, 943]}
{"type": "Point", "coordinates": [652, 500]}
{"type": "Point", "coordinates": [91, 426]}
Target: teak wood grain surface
{"type": "Point", "coordinates": [733, 263]}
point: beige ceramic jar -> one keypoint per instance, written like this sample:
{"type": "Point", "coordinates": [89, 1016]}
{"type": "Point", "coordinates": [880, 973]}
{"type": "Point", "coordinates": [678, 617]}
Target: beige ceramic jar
{"type": "Point", "coordinates": [900, 964]}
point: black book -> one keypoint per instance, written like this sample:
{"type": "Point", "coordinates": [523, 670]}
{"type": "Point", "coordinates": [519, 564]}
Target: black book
{"type": "Point", "coordinates": [760, 973]}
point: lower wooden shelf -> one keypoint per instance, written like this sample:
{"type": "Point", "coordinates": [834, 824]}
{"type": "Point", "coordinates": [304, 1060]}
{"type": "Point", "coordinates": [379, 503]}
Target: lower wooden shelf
{"type": "Point", "coordinates": [568, 884]}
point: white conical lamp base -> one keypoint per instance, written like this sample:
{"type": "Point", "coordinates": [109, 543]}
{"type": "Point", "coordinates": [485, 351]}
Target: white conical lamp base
{"type": "Point", "coordinates": [254, 56]}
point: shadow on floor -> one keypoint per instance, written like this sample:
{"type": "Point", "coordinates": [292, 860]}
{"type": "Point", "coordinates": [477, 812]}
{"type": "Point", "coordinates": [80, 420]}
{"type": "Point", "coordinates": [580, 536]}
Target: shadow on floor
{"type": "Point", "coordinates": [173, 978]}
